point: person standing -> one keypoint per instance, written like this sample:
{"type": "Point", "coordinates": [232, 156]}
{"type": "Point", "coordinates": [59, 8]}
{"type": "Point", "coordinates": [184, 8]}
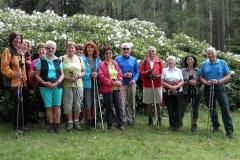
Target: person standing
{"type": "Point", "coordinates": [110, 76]}
{"type": "Point", "coordinates": [74, 70]}
{"type": "Point", "coordinates": [172, 81]}
{"type": "Point", "coordinates": [130, 71]}
{"type": "Point", "coordinates": [49, 73]}
{"type": "Point", "coordinates": [214, 73]}
{"type": "Point", "coordinates": [26, 48]}
{"type": "Point", "coordinates": [151, 72]}
{"type": "Point", "coordinates": [14, 77]}
{"type": "Point", "coordinates": [79, 50]}
{"type": "Point", "coordinates": [191, 89]}
{"type": "Point", "coordinates": [91, 61]}
{"type": "Point", "coordinates": [41, 51]}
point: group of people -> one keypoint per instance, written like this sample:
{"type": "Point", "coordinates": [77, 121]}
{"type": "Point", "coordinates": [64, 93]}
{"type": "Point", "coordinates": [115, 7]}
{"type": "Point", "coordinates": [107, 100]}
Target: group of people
{"type": "Point", "coordinates": [79, 76]}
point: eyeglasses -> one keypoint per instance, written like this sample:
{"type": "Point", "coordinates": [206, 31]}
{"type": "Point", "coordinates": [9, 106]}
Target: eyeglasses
{"type": "Point", "coordinates": [50, 47]}
{"type": "Point", "coordinates": [126, 49]}
{"type": "Point", "coordinates": [79, 49]}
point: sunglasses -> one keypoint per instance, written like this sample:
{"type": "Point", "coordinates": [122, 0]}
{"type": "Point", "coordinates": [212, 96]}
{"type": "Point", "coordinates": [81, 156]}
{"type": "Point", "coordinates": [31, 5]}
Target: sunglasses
{"type": "Point", "coordinates": [79, 49]}
{"type": "Point", "coordinates": [50, 47]}
{"type": "Point", "coordinates": [126, 49]}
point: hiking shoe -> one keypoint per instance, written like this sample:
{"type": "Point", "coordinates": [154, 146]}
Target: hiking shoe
{"type": "Point", "coordinates": [57, 128]}
{"type": "Point", "coordinates": [111, 128]}
{"type": "Point", "coordinates": [194, 127]}
{"type": "Point", "coordinates": [215, 129]}
{"type": "Point", "coordinates": [70, 126]}
{"type": "Point", "coordinates": [51, 128]}
{"type": "Point", "coordinates": [159, 122]}
{"type": "Point", "coordinates": [171, 128]}
{"type": "Point", "coordinates": [18, 131]}
{"type": "Point", "coordinates": [88, 124]}
{"type": "Point", "coordinates": [150, 121]}
{"type": "Point", "coordinates": [229, 134]}
{"type": "Point", "coordinates": [77, 126]}
{"type": "Point", "coordinates": [122, 128]}
{"type": "Point", "coordinates": [177, 129]}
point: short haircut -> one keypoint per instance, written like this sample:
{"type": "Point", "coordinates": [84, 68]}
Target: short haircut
{"type": "Point", "coordinates": [40, 45]}
{"type": "Point", "coordinates": [70, 44]}
{"type": "Point", "coordinates": [95, 53]}
{"type": "Point", "coordinates": [152, 47]}
{"type": "Point", "coordinates": [211, 49]}
{"type": "Point", "coordinates": [14, 35]}
{"type": "Point", "coordinates": [195, 61]}
{"type": "Point", "coordinates": [126, 44]}
{"type": "Point", "coordinates": [172, 57]}
{"type": "Point", "coordinates": [78, 45]}
{"type": "Point", "coordinates": [107, 48]}
{"type": "Point", "coordinates": [51, 42]}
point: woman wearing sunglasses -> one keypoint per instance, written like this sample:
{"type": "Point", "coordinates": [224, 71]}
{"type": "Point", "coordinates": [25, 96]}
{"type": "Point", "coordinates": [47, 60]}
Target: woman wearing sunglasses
{"type": "Point", "coordinates": [49, 73]}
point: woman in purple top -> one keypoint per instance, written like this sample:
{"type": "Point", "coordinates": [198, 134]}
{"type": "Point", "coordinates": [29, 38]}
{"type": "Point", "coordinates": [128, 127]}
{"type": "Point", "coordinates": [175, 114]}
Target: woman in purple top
{"type": "Point", "coordinates": [41, 108]}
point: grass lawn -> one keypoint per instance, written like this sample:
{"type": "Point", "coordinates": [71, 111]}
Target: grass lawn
{"type": "Point", "coordinates": [140, 142]}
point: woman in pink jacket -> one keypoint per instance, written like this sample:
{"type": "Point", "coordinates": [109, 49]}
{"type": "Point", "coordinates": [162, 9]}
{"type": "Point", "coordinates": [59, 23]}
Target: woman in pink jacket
{"type": "Point", "coordinates": [110, 76]}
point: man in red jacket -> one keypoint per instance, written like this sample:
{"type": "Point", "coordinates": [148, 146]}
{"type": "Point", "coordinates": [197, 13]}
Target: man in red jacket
{"type": "Point", "coordinates": [151, 71]}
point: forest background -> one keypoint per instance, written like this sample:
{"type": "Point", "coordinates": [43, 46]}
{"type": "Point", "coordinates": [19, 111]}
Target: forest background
{"type": "Point", "coordinates": [174, 27]}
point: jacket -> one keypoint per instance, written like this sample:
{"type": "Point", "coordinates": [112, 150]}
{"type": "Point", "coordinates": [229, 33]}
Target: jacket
{"type": "Point", "coordinates": [10, 67]}
{"type": "Point", "coordinates": [104, 77]}
{"type": "Point", "coordinates": [87, 81]}
{"type": "Point", "coordinates": [158, 66]}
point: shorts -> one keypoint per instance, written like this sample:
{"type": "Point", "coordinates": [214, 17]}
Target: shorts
{"type": "Point", "coordinates": [51, 96]}
{"type": "Point", "coordinates": [148, 97]}
{"type": "Point", "coordinates": [71, 101]}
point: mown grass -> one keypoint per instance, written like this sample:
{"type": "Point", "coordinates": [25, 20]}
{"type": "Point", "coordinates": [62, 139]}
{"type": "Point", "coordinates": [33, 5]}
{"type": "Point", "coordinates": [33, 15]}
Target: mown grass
{"type": "Point", "coordinates": [140, 142]}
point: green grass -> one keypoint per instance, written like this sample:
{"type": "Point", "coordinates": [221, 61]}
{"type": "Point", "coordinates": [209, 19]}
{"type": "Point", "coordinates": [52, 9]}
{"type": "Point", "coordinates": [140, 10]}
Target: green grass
{"type": "Point", "coordinates": [135, 143]}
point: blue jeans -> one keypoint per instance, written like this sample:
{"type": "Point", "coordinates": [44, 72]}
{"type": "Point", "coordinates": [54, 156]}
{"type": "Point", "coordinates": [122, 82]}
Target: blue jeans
{"type": "Point", "coordinates": [221, 96]}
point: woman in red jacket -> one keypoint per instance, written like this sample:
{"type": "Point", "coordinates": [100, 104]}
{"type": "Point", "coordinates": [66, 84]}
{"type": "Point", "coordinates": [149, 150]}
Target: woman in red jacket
{"type": "Point", "coordinates": [110, 76]}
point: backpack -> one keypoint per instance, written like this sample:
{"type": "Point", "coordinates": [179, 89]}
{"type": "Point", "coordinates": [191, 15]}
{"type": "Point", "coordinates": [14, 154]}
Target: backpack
{"type": "Point", "coordinates": [1, 75]}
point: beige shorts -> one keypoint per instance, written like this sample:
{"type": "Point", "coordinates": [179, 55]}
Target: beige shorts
{"type": "Point", "coordinates": [148, 97]}
{"type": "Point", "coordinates": [70, 100]}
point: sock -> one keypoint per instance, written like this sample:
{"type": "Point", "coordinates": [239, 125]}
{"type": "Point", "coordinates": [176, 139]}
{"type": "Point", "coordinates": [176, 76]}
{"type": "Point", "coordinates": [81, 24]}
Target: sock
{"type": "Point", "coordinates": [70, 121]}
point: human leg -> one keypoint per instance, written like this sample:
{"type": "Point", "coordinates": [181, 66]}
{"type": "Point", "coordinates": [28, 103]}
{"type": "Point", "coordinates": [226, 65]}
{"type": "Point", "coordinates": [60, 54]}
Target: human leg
{"type": "Point", "coordinates": [117, 101]}
{"type": "Point", "coordinates": [107, 97]}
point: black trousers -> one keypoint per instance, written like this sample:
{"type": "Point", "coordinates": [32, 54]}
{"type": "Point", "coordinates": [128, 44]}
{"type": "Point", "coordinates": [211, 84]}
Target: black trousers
{"type": "Point", "coordinates": [115, 99]}
{"type": "Point", "coordinates": [16, 95]}
{"type": "Point", "coordinates": [174, 103]}
{"type": "Point", "coordinates": [41, 107]}
{"type": "Point", "coordinates": [187, 100]}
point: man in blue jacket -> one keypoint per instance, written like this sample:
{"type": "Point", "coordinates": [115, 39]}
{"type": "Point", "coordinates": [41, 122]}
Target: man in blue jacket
{"type": "Point", "coordinates": [130, 71]}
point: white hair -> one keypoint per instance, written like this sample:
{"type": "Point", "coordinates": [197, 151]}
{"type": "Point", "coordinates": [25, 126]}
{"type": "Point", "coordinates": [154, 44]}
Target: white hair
{"type": "Point", "coordinates": [211, 49]}
{"type": "Point", "coordinates": [172, 57]}
{"type": "Point", "coordinates": [28, 42]}
{"type": "Point", "coordinates": [51, 42]}
{"type": "Point", "coordinates": [152, 47]}
{"type": "Point", "coordinates": [126, 44]}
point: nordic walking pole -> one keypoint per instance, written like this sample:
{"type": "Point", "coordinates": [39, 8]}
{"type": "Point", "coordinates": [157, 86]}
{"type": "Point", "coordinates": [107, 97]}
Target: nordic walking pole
{"type": "Point", "coordinates": [99, 104]}
{"type": "Point", "coordinates": [80, 100]}
{"type": "Point", "coordinates": [155, 105]}
{"type": "Point", "coordinates": [192, 104]}
{"type": "Point", "coordinates": [94, 103]}
{"type": "Point", "coordinates": [210, 108]}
